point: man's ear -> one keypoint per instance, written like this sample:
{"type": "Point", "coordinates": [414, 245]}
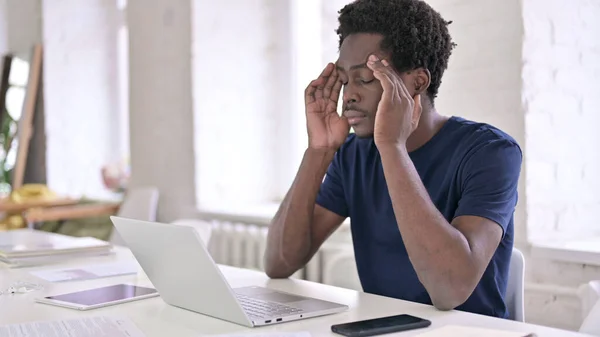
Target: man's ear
{"type": "Point", "coordinates": [421, 80]}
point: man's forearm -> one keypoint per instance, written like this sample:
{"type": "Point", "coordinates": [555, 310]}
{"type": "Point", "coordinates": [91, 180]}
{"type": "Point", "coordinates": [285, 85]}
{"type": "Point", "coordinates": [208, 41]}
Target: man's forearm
{"type": "Point", "coordinates": [289, 238]}
{"type": "Point", "coordinates": [439, 252]}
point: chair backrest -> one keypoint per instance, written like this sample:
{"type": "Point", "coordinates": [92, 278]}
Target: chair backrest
{"type": "Point", "coordinates": [590, 298]}
{"type": "Point", "coordinates": [139, 203]}
{"type": "Point", "coordinates": [339, 270]}
{"type": "Point", "coordinates": [516, 286]}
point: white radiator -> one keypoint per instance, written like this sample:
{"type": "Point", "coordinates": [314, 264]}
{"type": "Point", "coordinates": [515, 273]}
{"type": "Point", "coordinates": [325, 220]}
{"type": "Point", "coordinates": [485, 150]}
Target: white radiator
{"type": "Point", "coordinates": [240, 241]}
{"type": "Point", "coordinates": [243, 245]}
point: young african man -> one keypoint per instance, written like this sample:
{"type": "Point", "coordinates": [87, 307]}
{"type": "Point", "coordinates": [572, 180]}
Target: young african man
{"type": "Point", "coordinates": [430, 198]}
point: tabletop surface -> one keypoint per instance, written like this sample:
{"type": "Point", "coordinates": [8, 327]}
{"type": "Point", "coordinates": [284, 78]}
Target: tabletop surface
{"type": "Point", "coordinates": [156, 318]}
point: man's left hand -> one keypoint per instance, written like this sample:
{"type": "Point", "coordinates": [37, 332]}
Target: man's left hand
{"type": "Point", "coordinates": [398, 113]}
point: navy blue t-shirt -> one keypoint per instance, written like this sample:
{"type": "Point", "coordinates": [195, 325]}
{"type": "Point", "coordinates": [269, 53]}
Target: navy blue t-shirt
{"type": "Point", "coordinates": [468, 168]}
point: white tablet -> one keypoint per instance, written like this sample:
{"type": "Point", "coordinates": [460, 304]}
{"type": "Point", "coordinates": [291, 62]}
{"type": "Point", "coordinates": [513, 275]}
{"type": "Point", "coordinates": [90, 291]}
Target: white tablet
{"type": "Point", "coordinates": [99, 297]}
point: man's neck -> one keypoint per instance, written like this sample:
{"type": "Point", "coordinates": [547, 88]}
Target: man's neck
{"type": "Point", "coordinates": [430, 123]}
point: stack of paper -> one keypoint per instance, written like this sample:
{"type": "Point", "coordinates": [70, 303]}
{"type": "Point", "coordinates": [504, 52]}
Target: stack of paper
{"type": "Point", "coordinates": [27, 247]}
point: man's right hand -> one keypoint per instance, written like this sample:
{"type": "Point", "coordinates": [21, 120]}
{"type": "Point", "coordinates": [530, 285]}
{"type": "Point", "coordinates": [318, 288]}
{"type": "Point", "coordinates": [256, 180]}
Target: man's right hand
{"type": "Point", "coordinates": [300, 227]}
{"type": "Point", "coordinates": [326, 129]}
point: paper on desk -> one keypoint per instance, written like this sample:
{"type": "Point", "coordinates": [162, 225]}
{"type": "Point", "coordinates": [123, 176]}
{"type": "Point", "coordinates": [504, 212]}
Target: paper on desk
{"type": "Point", "coordinates": [466, 331]}
{"type": "Point", "coordinates": [267, 334]}
{"type": "Point", "coordinates": [98, 326]}
{"type": "Point", "coordinates": [88, 272]}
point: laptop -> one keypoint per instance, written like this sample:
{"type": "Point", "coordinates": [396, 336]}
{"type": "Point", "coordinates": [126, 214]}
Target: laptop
{"type": "Point", "coordinates": [176, 261]}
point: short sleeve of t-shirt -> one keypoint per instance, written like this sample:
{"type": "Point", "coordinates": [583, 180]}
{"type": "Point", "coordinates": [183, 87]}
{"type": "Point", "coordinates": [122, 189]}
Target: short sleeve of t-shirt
{"type": "Point", "coordinates": [331, 193]}
{"type": "Point", "coordinates": [489, 182]}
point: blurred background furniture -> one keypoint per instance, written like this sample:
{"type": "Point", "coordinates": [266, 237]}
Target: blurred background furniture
{"type": "Point", "coordinates": [515, 289]}
{"type": "Point", "coordinates": [590, 296]}
{"type": "Point", "coordinates": [13, 208]}
{"type": "Point", "coordinates": [92, 218]}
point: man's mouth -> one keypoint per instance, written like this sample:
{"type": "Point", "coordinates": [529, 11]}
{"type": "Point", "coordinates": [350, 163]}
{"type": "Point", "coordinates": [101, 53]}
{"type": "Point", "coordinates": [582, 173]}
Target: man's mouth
{"type": "Point", "coordinates": [354, 117]}
{"type": "Point", "coordinates": [355, 120]}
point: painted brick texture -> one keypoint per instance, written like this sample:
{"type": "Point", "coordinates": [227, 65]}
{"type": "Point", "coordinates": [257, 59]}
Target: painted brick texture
{"type": "Point", "coordinates": [561, 81]}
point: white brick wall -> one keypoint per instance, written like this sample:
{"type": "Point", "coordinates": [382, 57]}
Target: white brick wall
{"type": "Point", "coordinates": [561, 81]}
{"type": "Point", "coordinates": [81, 93]}
{"type": "Point", "coordinates": [553, 306]}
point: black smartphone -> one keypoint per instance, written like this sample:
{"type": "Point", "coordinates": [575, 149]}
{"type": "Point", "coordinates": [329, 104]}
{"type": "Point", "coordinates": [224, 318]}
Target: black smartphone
{"type": "Point", "coordinates": [380, 326]}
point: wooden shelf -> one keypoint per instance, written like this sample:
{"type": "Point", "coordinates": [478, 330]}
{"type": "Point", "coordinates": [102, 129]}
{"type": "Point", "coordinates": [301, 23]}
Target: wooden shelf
{"type": "Point", "coordinates": [8, 206]}
{"type": "Point", "coordinates": [71, 212]}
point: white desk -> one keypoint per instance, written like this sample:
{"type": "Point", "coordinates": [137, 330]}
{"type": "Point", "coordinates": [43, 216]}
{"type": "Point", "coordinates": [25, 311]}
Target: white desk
{"type": "Point", "coordinates": [155, 318]}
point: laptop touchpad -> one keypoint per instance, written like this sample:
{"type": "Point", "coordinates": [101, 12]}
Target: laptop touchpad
{"type": "Point", "coordinates": [278, 297]}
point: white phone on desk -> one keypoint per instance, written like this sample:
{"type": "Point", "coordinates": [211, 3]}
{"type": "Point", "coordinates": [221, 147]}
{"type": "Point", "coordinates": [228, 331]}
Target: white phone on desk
{"type": "Point", "coordinates": [99, 297]}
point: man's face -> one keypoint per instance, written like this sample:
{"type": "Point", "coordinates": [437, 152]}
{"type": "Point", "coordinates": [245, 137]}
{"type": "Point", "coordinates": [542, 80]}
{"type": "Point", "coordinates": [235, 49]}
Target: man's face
{"type": "Point", "coordinates": [362, 91]}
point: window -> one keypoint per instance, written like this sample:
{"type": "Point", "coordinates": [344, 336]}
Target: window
{"type": "Point", "coordinates": [242, 93]}
{"type": "Point", "coordinates": [250, 124]}
{"type": "Point", "coordinates": [123, 81]}
{"type": "Point", "coordinates": [15, 98]}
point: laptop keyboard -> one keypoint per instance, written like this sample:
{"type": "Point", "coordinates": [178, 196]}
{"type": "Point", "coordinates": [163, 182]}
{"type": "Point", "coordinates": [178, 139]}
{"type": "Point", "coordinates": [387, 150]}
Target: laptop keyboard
{"type": "Point", "coordinates": [263, 309]}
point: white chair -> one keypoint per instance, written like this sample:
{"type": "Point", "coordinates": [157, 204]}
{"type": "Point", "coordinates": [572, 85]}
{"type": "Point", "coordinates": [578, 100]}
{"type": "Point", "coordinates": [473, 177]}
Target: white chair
{"type": "Point", "coordinates": [139, 203]}
{"type": "Point", "coordinates": [590, 298]}
{"type": "Point", "coordinates": [515, 287]}
{"type": "Point", "coordinates": [339, 270]}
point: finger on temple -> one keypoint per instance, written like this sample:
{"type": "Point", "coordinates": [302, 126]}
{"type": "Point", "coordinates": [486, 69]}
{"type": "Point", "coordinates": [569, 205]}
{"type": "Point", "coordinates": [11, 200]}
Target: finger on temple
{"type": "Point", "coordinates": [335, 91]}
{"type": "Point", "coordinates": [331, 80]}
{"type": "Point", "coordinates": [322, 80]}
{"type": "Point", "coordinates": [373, 58]}
{"type": "Point", "coordinates": [386, 83]}
{"type": "Point", "coordinates": [374, 63]}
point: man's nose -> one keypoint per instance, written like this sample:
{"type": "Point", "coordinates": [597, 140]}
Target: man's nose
{"type": "Point", "coordinates": [350, 95]}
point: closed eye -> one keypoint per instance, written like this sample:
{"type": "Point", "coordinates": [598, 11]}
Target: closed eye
{"type": "Point", "coordinates": [367, 81]}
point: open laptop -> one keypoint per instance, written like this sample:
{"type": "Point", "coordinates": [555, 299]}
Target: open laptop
{"type": "Point", "coordinates": [176, 261]}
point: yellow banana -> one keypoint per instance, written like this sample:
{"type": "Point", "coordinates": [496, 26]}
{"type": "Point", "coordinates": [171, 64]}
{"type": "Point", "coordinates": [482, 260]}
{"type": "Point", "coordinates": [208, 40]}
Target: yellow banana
{"type": "Point", "coordinates": [24, 194]}
{"type": "Point", "coordinates": [32, 192]}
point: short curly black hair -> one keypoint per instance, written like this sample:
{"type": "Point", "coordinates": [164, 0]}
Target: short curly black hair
{"type": "Point", "coordinates": [413, 33]}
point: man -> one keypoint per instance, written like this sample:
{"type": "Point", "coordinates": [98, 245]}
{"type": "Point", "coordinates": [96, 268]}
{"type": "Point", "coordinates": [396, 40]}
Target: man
{"type": "Point", "coordinates": [430, 198]}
